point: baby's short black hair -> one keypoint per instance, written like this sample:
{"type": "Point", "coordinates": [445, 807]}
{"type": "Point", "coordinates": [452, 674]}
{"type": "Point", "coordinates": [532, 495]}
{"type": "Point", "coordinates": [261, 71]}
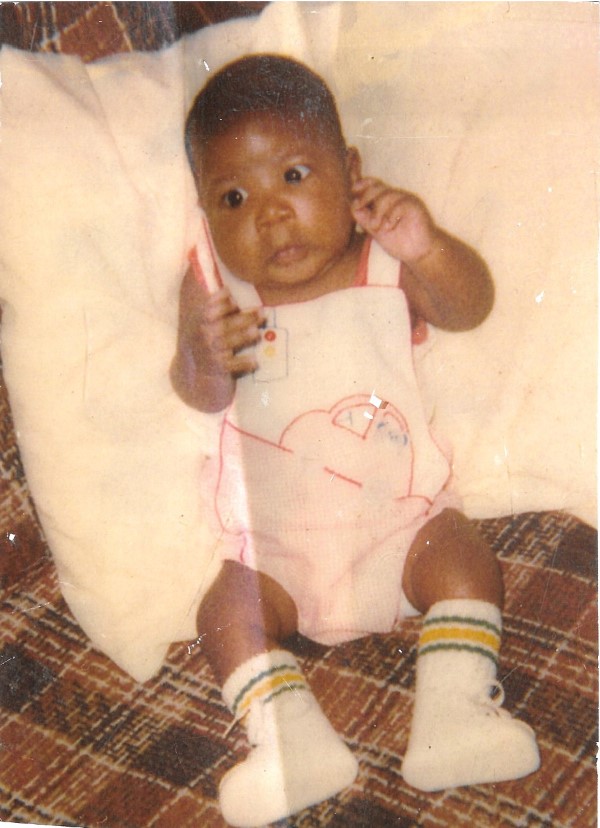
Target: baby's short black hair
{"type": "Point", "coordinates": [262, 84]}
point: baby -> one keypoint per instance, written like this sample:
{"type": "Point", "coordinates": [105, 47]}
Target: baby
{"type": "Point", "coordinates": [335, 512]}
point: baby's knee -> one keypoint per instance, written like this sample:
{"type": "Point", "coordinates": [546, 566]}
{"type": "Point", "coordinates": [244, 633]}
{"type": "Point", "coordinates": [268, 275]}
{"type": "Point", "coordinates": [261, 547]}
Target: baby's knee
{"type": "Point", "coordinates": [450, 559]}
{"type": "Point", "coordinates": [241, 597]}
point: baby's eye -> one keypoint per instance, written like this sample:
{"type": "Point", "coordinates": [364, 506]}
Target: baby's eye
{"type": "Point", "coordinates": [235, 198]}
{"type": "Point", "coordinates": [296, 173]}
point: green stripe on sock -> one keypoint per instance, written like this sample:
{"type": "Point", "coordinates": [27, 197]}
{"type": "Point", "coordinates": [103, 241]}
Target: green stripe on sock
{"type": "Point", "coordinates": [285, 689]}
{"type": "Point", "coordinates": [272, 671]}
{"type": "Point", "coordinates": [459, 619]}
{"type": "Point", "coordinates": [431, 648]}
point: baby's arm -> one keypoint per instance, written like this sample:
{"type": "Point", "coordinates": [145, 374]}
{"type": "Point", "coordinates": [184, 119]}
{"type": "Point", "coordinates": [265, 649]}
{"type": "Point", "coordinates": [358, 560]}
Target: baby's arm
{"type": "Point", "coordinates": [212, 332]}
{"type": "Point", "coordinates": [446, 282]}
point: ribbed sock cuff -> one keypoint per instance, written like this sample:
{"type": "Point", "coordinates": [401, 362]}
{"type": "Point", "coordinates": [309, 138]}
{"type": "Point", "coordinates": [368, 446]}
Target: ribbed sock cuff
{"type": "Point", "coordinates": [462, 624]}
{"type": "Point", "coordinates": [261, 678]}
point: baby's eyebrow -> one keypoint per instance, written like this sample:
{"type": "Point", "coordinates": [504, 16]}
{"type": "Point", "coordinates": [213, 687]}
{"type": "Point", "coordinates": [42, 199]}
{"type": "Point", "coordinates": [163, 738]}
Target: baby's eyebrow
{"type": "Point", "coordinates": [221, 180]}
{"type": "Point", "coordinates": [297, 158]}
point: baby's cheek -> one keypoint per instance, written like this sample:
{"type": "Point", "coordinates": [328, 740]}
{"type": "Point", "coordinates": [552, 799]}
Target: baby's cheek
{"type": "Point", "coordinates": [241, 255]}
{"type": "Point", "coordinates": [229, 243]}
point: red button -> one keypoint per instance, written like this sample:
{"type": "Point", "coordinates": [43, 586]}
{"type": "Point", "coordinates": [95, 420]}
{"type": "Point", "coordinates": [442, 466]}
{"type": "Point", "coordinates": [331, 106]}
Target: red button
{"type": "Point", "coordinates": [270, 336]}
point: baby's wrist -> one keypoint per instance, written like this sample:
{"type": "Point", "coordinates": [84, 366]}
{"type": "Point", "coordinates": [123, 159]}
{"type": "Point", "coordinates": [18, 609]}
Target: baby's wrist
{"type": "Point", "coordinates": [437, 245]}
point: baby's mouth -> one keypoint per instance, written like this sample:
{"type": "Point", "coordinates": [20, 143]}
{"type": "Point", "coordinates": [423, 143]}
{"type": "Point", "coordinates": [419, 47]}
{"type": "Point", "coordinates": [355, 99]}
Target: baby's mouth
{"type": "Point", "coordinates": [288, 255]}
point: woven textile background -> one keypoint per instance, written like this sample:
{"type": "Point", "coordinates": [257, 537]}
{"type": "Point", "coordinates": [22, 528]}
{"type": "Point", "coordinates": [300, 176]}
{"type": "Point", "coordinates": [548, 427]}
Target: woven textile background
{"type": "Point", "coordinates": [83, 744]}
{"type": "Point", "coordinates": [94, 30]}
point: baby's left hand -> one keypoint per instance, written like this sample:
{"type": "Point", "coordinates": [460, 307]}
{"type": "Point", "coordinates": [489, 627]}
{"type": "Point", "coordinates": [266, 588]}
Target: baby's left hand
{"type": "Point", "coordinates": [398, 220]}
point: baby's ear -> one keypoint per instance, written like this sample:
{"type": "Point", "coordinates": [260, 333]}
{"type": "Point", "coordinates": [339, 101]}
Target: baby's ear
{"type": "Point", "coordinates": [353, 164]}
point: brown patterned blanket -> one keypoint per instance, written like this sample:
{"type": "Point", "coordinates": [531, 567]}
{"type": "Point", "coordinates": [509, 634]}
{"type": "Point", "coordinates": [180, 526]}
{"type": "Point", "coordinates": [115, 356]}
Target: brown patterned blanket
{"type": "Point", "coordinates": [82, 744]}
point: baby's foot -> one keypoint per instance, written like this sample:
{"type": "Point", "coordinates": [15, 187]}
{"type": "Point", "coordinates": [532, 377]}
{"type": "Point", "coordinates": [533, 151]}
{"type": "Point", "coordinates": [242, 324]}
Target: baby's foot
{"type": "Point", "coordinates": [297, 761]}
{"type": "Point", "coordinates": [468, 742]}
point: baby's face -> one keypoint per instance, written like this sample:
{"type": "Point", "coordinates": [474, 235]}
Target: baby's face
{"type": "Point", "coordinates": [277, 199]}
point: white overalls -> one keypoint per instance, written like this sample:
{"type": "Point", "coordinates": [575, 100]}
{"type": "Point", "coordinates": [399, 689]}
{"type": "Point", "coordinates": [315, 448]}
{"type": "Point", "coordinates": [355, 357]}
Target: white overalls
{"type": "Point", "coordinates": [327, 467]}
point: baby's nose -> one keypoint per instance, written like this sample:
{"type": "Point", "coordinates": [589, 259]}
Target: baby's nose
{"type": "Point", "coordinates": [272, 210]}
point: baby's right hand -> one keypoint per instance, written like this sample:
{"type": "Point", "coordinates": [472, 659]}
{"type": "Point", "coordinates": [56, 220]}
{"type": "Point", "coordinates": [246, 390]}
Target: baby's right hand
{"type": "Point", "coordinates": [224, 332]}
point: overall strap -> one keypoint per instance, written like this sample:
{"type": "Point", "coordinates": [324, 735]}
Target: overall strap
{"type": "Point", "coordinates": [382, 269]}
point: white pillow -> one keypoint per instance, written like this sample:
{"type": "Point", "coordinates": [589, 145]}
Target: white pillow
{"type": "Point", "coordinates": [97, 211]}
{"type": "Point", "coordinates": [489, 114]}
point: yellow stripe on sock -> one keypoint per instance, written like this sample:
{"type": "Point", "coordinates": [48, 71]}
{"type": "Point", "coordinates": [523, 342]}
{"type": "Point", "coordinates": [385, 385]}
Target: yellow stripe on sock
{"type": "Point", "coordinates": [268, 686]}
{"type": "Point", "coordinates": [475, 636]}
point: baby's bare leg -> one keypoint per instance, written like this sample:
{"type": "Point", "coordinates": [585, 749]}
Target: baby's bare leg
{"type": "Point", "coordinates": [297, 759]}
{"type": "Point", "coordinates": [449, 559]}
{"type": "Point", "coordinates": [457, 737]}
{"type": "Point", "coordinates": [244, 613]}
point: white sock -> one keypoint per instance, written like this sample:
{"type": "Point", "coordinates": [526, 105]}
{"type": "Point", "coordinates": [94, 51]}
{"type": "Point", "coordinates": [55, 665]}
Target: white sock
{"type": "Point", "coordinates": [261, 678]}
{"type": "Point", "coordinates": [459, 735]}
{"type": "Point", "coordinates": [297, 760]}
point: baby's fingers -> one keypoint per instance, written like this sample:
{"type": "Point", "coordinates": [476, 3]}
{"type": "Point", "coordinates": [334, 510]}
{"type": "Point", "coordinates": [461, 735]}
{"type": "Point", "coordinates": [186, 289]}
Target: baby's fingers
{"type": "Point", "coordinates": [239, 364]}
{"type": "Point", "coordinates": [228, 339]}
{"type": "Point", "coordinates": [219, 305]}
{"type": "Point", "coordinates": [387, 211]}
{"type": "Point", "coordinates": [366, 191]}
{"type": "Point", "coordinates": [240, 330]}
{"type": "Point", "coordinates": [374, 205]}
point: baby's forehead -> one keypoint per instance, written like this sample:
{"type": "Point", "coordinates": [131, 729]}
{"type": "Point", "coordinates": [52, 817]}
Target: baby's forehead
{"type": "Point", "coordinates": [290, 124]}
{"type": "Point", "coordinates": [285, 133]}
